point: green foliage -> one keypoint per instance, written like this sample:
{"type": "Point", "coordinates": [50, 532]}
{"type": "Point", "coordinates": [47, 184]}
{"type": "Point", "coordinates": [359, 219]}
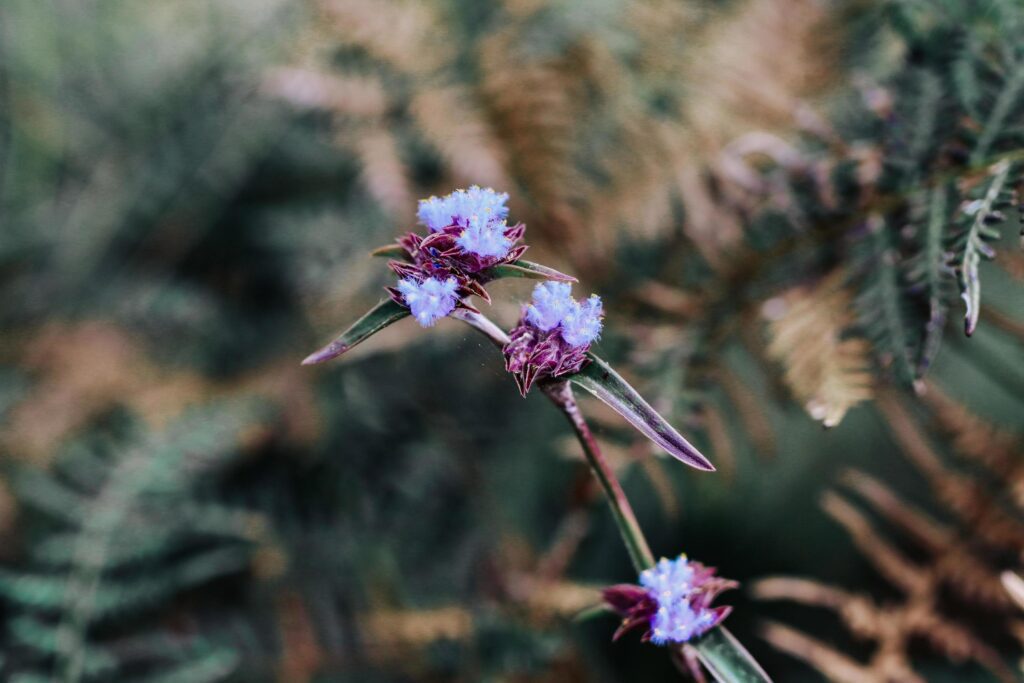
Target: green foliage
{"type": "Point", "coordinates": [159, 179]}
{"type": "Point", "coordinates": [948, 113]}
{"type": "Point", "coordinates": [133, 530]}
{"type": "Point", "coordinates": [979, 226]}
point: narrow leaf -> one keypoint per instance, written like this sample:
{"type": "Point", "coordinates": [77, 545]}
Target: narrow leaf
{"type": "Point", "coordinates": [727, 660]}
{"type": "Point", "coordinates": [379, 317]}
{"type": "Point", "coordinates": [528, 270]}
{"type": "Point", "coordinates": [599, 379]}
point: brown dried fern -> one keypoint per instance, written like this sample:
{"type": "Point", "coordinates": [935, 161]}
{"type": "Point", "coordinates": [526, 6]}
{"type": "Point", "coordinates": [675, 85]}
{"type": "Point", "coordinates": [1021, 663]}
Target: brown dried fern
{"type": "Point", "coordinates": [450, 120]}
{"type": "Point", "coordinates": [384, 173]}
{"type": "Point", "coordinates": [825, 371]}
{"type": "Point", "coordinates": [965, 559]}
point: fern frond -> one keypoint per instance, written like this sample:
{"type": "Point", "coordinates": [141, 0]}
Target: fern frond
{"type": "Point", "coordinates": [402, 33]}
{"type": "Point", "coordinates": [207, 665]}
{"type": "Point", "coordinates": [449, 120]}
{"type": "Point", "coordinates": [132, 542]}
{"type": "Point", "coordinates": [1010, 99]}
{"type": "Point", "coordinates": [835, 665]}
{"type": "Point", "coordinates": [384, 172]}
{"type": "Point", "coordinates": [346, 94]}
{"type": "Point", "coordinates": [931, 272]}
{"type": "Point", "coordinates": [979, 223]}
{"type": "Point", "coordinates": [825, 369]}
{"type": "Point", "coordinates": [882, 304]}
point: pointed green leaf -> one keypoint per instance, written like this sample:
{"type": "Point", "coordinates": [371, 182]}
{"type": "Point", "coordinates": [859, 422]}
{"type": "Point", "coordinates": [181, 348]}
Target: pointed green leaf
{"type": "Point", "coordinates": [379, 317]}
{"type": "Point", "coordinates": [727, 660]}
{"type": "Point", "coordinates": [599, 379]}
{"type": "Point", "coordinates": [528, 270]}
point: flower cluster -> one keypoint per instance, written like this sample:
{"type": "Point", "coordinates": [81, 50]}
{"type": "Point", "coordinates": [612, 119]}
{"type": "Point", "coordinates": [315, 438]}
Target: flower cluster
{"type": "Point", "coordinates": [672, 602]}
{"type": "Point", "coordinates": [467, 235]}
{"type": "Point", "coordinates": [553, 335]}
{"type": "Point", "coordinates": [437, 213]}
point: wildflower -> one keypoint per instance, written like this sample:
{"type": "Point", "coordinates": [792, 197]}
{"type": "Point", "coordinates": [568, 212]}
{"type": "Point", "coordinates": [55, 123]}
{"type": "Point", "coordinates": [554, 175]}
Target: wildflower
{"type": "Point", "coordinates": [551, 301]}
{"type": "Point", "coordinates": [435, 213]}
{"type": "Point", "coordinates": [484, 237]}
{"type": "Point", "coordinates": [582, 323]}
{"type": "Point", "coordinates": [457, 208]}
{"type": "Point", "coordinates": [672, 602]}
{"type": "Point", "coordinates": [553, 335]}
{"type": "Point", "coordinates": [468, 235]}
{"type": "Point", "coordinates": [429, 300]}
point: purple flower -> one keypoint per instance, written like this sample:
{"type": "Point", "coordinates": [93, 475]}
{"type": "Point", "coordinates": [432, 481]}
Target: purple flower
{"type": "Point", "coordinates": [484, 237]}
{"type": "Point", "coordinates": [582, 323]}
{"type": "Point", "coordinates": [429, 300]}
{"type": "Point", "coordinates": [435, 213]}
{"type": "Point", "coordinates": [672, 602]}
{"type": "Point", "coordinates": [468, 235]}
{"type": "Point", "coordinates": [553, 335]}
{"type": "Point", "coordinates": [457, 208]}
{"type": "Point", "coordinates": [551, 301]}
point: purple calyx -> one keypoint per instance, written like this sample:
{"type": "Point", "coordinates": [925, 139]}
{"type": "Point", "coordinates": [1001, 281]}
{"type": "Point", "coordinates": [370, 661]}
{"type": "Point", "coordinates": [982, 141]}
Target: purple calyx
{"type": "Point", "coordinates": [673, 602]}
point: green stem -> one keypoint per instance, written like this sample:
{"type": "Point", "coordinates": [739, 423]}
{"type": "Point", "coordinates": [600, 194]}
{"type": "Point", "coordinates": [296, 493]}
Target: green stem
{"type": "Point", "coordinates": [561, 395]}
{"type": "Point", "coordinates": [723, 656]}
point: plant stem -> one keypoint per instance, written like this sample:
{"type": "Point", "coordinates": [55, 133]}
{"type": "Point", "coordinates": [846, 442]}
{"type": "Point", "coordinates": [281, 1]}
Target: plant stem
{"type": "Point", "coordinates": [720, 652]}
{"type": "Point", "coordinates": [723, 656]}
{"type": "Point", "coordinates": [561, 395]}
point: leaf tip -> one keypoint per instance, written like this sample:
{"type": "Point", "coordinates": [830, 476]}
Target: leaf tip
{"type": "Point", "coordinates": [325, 354]}
{"type": "Point", "coordinates": [688, 455]}
{"type": "Point", "coordinates": [704, 464]}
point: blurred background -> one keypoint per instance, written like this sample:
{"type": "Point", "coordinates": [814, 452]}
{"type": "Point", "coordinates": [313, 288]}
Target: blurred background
{"type": "Point", "coordinates": [777, 200]}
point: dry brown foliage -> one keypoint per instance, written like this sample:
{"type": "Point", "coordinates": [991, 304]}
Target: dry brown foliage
{"type": "Point", "coordinates": [827, 372]}
{"type": "Point", "coordinates": [572, 131]}
{"type": "Point", "coordinates": [939, 568]}
{"type": "Point", "coordinates": [84, 369]}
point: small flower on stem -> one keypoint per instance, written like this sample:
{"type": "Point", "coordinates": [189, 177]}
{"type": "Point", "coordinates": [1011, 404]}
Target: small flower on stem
{"type": "Point", "coordinates": [553, 335]}
{"type": "Point", "coordinates": [468, 235]}
{"type": "Point", "coordinates": [672, 602]}
{"type": "Point", "coordinates": [429, 300]}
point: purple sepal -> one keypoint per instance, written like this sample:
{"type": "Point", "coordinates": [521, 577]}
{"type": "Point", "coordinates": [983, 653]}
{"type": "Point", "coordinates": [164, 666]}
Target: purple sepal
{"type": "Point", "coordinates": [437, 255]}
{"type": "Point", "coordinates": [440, 250]}
{"type": "Point", "coordinates": [633, 604]}
{"type": "Point", "coordinates": [532, 354]}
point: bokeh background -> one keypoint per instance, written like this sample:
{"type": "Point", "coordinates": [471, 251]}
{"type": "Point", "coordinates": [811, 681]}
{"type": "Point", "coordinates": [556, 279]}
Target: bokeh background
{"type": "Point", "coordinates": [188, 194]}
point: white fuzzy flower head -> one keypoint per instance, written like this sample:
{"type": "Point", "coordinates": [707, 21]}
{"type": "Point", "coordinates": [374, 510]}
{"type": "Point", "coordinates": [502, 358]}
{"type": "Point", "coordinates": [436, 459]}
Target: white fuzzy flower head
{"type": "Point", "coordinates": [430, 300]}
{"type": "Point", "coordinates": [670, 584]}
{"type": "Point", "coordinates": [458, 207]}
{"type": "Point", "coordinates": [551, 301]}
{"type": "Point", "coordinates": [582, 323]}
{"type": "Point", "coordinates": [484, 237]}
